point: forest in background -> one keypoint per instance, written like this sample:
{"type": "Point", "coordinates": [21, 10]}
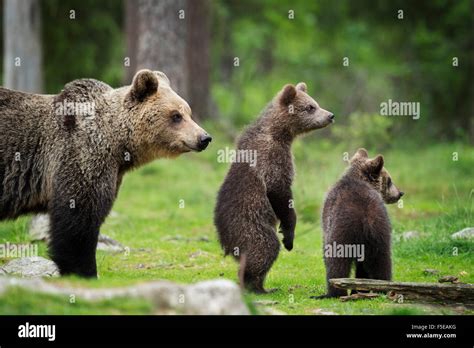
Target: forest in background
{"type": "Point", "coordinates": [230, 57]}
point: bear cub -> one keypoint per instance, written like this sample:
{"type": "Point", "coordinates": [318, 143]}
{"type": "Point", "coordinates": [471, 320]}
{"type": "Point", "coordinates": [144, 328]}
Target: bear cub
{"type": "Point", "coordinates": [354, 218]}
{"type": "Point", "coordinates": [254, 196]}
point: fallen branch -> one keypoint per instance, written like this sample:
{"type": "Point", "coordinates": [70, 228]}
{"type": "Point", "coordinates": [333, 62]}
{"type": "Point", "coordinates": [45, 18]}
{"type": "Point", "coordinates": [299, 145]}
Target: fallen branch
{"type": "Point", "coordinates": [459, 293]}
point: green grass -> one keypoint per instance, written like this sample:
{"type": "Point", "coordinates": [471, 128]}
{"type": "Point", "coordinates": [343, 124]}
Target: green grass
{"type": "Point", "coordinates": [180, 244]}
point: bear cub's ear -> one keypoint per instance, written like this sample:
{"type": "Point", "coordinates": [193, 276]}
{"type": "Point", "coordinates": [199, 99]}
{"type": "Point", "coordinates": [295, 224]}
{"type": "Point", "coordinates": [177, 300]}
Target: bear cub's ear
{"type": "Point", "coordinates": [301, 86]}
{"type": "Point", "coordinates": [361, 154]}
{"type": "Point", "coordinates": [287, 95]}
{"type": "Point", "coordinates": [145, 83]}
{"type": "Point", "coordinates": [374, 166]}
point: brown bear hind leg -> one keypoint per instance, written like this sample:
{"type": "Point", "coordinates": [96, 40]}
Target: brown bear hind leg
{"type": "Point", "coordinates": [379, 266]}
{"type": "Point", "coordinates": [259, 259]}
{"type": "Point", "coordinates": [360, 272]}
{"type": "Point", "coordinates": [337, 268]}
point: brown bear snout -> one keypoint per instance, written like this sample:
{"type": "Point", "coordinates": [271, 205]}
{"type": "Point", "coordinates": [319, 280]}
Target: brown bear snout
{"type": "Point", "coordinates": [204, 140]}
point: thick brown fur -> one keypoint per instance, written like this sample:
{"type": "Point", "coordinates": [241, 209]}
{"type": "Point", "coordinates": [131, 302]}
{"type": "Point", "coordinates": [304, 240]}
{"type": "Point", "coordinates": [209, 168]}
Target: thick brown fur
{"type": "Point", "coordinates": [71, 165]}
{"type": "Point", "coordinates": [253, 198]}
{"type": "Point", "coordinates": [354, 214]}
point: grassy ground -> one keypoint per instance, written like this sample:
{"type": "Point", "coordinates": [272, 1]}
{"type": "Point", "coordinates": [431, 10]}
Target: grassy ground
{"type": "Point", "coordinates": [174, 242]}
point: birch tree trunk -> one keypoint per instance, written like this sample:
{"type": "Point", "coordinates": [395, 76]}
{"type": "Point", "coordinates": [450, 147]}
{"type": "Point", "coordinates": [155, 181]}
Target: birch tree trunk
{"type": "Point", "coordinates": [198, 56]}
{"type": "Point", "coordinates": [22, 61]}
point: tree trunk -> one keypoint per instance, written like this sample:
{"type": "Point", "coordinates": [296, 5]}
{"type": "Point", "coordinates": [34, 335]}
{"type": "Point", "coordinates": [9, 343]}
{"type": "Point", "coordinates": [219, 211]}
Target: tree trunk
{"type": "Point", "coordinates": [131, 34]}
{"type": "Point", "coordinates": [172, 36]}
{"type": "Point", "coordinates": [22, 62]}
{"type": "Point", "coordinates": [161, 40]}
{"type": "Point", "coordinates": [197, 53]}
{"type": "Point", "coordinates": [463, 293]}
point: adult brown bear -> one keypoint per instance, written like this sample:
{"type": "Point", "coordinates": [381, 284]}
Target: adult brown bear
{"type": "Point", "coordinates": [66, 154]}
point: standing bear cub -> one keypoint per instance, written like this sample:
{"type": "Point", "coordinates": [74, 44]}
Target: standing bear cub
{"type": "Point", "coordinates": [66, 154]}
{"type": "Point", "coordinates": [254, 196]}
{"type": "Point", "coordinates": [355, 219]}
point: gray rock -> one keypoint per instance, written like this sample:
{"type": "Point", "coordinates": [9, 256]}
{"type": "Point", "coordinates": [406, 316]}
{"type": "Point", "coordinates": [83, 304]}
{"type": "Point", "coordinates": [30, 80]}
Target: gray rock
{"type": "Point", "coordinates": [466, 233]}
{"type": "Point", "coordinates": [320, 311]}
{"type": "Point", "coordinates": [114, 214]}
{"type": "Point", "coordinates": [213, 297]}
{"type": "Point", "coordinates": [30, 267]}
{"type": "Point", "coordinates": [39, 227]}
{"type": "Point", "coordinates": [180, 238]}
{"type": "Point", "coordinates": [198, 254]}
{"type": "Point", "coordinates": [263, 310]}
{"type": "Point", "coordinates": [410, 235]}
{"type": "Point", "coordinates": [108, 244]}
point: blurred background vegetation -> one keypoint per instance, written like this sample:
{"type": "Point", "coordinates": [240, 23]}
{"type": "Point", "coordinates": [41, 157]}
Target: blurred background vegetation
{"type": "Point", "coordinates": [278, 42]}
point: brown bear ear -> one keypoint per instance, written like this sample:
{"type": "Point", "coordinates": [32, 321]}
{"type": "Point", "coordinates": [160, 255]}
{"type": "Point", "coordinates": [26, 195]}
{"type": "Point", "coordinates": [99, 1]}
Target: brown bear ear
{"type": "Point", "coordinates": [145, 83]}
{"type": "Point", "coordinates": [287, 95]}
{"type": "Point", "coordinates": [374, 166]}
{"type": "Point", "coordinates": [162, 77]}
{"type": "Point", "coordinates": [360, 154]}
{"type": "Point", "coordinates": [301, 86]}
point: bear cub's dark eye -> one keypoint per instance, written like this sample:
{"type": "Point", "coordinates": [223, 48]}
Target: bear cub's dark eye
{"type": "Point", "coordinates": [176, 117]}
{"type": "Point", "coordinates": [389, 182]}
{"type": "Point", "coordinates": [310, 108]}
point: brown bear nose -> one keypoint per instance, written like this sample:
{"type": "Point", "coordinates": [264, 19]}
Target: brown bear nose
{"type": "Point", "coordinates": [331, 117]}
{"type": "Point", "coordinates": [204, 140]}
{"type": "Point", "coordinates": [401, 193]}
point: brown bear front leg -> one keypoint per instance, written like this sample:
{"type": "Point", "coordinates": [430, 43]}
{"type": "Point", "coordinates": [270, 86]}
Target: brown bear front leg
{"type": "Point", "coordinates": [77, 211]}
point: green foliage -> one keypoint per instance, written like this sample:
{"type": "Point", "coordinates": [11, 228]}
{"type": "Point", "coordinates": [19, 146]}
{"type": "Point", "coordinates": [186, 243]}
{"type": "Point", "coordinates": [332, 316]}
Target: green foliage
{"type": "Point", "coordinates": [409, 59]}
{"type": "Point", "coordinates": [90, 45]}
{"type": "Point", "coordinates": [365, 130]}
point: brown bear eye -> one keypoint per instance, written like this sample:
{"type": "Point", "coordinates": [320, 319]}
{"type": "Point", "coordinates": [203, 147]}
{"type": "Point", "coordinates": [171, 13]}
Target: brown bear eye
{"type": "Point", "coordinates": [310, 108]}
{"type": "Point", "coordinates": [389, 182]}
{"type": "Point", "coordinates": [176, 117]}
